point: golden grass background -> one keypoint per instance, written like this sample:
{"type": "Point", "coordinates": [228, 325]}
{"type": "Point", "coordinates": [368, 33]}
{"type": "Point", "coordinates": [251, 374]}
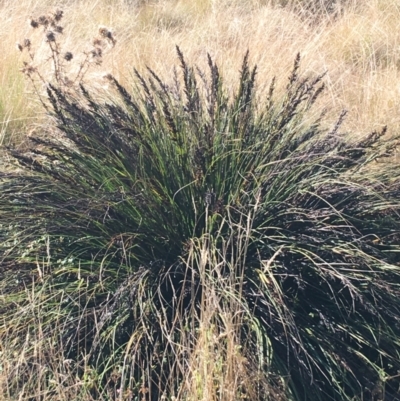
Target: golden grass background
{"type": "Point", "coordinates": [358, 46]}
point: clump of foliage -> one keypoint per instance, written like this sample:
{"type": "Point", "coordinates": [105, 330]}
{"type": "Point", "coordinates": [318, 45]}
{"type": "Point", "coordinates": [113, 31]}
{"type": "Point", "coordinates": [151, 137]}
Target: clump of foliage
{"type": "Point", "coordinates": [106, 230]}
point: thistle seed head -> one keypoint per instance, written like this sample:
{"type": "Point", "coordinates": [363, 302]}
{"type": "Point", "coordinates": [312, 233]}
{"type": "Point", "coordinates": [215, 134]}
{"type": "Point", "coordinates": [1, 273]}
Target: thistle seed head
{"type": "Point", "coordinates": [27, 44]}
{"type": "Point", "coordinates": [43, 20]}
{"type": "Point", "coordinates": [68, 56]}
{"type": "Point", "coordinates": [108, 77]}
{"type": "Point", "coordinates": [58, 14]}
{"type": "Point", "coordinates": [97, 52]}
{"type": "Point", "coordinates": [106, 33]}
{"type": "Point", "coordinates": [28, 69]}
{"type": "Point", "coordinates": [33, 23]}
{"type": "Point", "coordinates": [97, 42]}
{"type": "Point", "coordinates": [50, 37]}
{"type": "Point", "coordinates": [68, 82]}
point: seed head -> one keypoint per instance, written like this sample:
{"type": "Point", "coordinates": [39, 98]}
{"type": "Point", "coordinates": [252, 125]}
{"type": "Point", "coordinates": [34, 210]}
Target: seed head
{"type": "Point", "coordinates": [97, 52]}
{"type": "Point", "coordinates": [28, 69]}
{"type": "Point", "coordinates": [43, 20]}
{"type": "Point", "coordinates": [58, 14]}
{"type": "Point", "coordinates": [68, 82]}
{"type": "Point", "coordinates": [27, 43]}
{"type": "Point", "coordinates": [50, 36]}
{"type": "Point", "coordinates": [68, 56]}
{"type": "Point", "coordinates": [108, 77]}
{"type": "Point", "coordinates": [33, 23]}
{"type": "Point", "coordinates": [97, 42]}
{"type": "Point", "coordinates": [58, 29]}
{"type": "Point", "coordinates": [106, 33]}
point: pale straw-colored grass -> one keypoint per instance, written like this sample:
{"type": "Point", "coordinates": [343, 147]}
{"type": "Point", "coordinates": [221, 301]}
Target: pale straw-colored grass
{"type": "Point", "coordinates": [358, 48]}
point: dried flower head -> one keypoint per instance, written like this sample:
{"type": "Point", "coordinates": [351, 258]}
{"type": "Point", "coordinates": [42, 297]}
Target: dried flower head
{"type": "Point", "coordinates": [97, 42]}
{"type": "Point", "coordinates": [58, 29]}
{"type": "Point", "coordinates": [68, 82]}
{"type": "Point", "coordinates": [43, 20]}
{"type": "Point", "coordinates": [97, 52]}
{"type": "Point", "coordinates": [68, 56]}
{"type": "Point", "coordinates": [27, 43]}
{"type": "Point", "coordinates": [50, 37]}
{"type": "Point", "coordinates": [58, 14]}
{"type": "Point", "coordinates": [108, 77]}
{"type": "Point", "coordinates": [106, 33]}
{"type": "Point", "coordinates": [33, 23]}
{"type": "Point", "coordinates": [28, 69]}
